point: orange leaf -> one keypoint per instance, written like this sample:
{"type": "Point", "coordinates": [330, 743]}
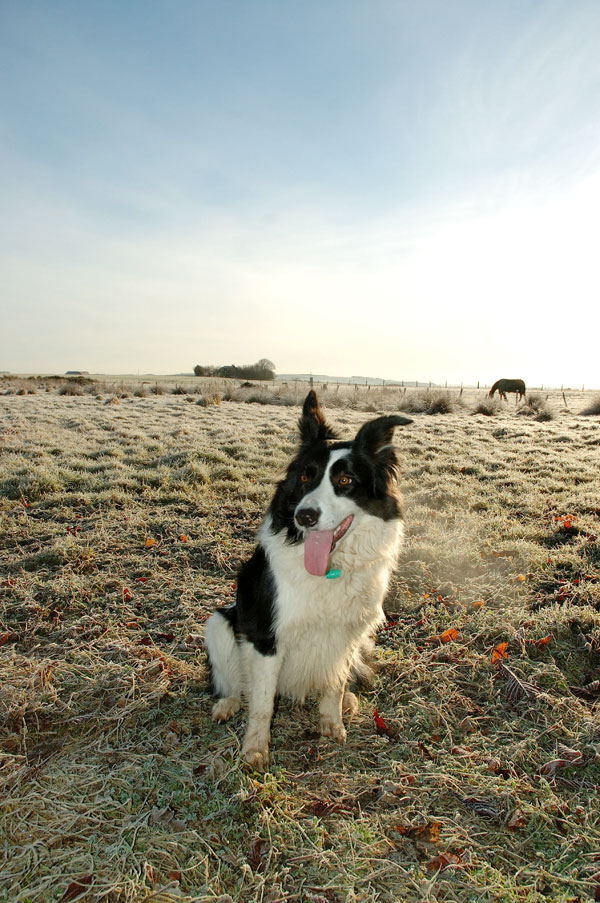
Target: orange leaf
{"type": "Point", "coordinates": [183, 537]}
{"type": "Point", "coordinates": [544, 641]}
{"type": "Point", "coordinates": [448, 635]}
{"type": "Point", "coordinates": [499, 653]}
{"type": "Point", "coordinates": [428, 833]}
{"type": "Point", "coordinates": [150, 542]}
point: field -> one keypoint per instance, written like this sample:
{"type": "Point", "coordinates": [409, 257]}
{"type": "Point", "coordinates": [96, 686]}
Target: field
{"type": "Point", "coordinates": [472, 770]}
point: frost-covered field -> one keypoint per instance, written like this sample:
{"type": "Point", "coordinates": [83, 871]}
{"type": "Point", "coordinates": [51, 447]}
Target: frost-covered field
{"type": "Point", "coordinates": [123, 520]}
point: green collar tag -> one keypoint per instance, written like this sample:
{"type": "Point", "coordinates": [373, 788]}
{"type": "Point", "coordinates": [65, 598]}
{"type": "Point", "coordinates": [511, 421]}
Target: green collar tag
{"type": "Point", "coordinates": [333, 574]}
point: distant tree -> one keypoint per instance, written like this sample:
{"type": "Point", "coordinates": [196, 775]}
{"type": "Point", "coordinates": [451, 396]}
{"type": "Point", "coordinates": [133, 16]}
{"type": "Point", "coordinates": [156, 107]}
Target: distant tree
{"type": "Point", "coordinates": [249, 371]}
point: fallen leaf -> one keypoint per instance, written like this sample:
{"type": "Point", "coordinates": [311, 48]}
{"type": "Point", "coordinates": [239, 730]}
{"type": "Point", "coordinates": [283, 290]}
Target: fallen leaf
{"type": "Point", "coordinates": [150, 542]}
{"type": "Point", "coordinates": [574, 756]}
{"type": "Point", "coordinates": [485, 807]}
{"type": "Point", "coordinates": [257, 854]}
{"type": "Point", "coordinates": [516, 687]}
{"type": "Point", "coordinates": [446, 637]}
{"type": "Point", "coordinates": [183, 537]}
{"type": "Point", "coordinates": [427, 833]}
{"type": "Point", "coordinates": [5, 637]}
{"type": "Point", "coordinates": [499, 653]}
{"type": "Point", "coordinates": [444, 861]}
{"type": "Point", "coordinates": [517, 821]}
{"type": "Point", "coordinates": [425, 751]}
{"type": "Point", "coordinates": [589, 691]}
{"type": "Point", "coordinates": [77, 887]}
{"type": "Point", "coordinates": [381, 726]}
{"type": "Point", "coordinates": [543, 642]}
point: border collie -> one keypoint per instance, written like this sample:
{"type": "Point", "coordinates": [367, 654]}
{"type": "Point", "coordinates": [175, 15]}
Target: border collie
{"type": "Point", "coordinates": [310, 597]}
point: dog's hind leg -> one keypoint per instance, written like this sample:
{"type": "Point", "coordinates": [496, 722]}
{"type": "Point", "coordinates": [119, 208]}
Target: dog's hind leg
{"type": "Point", "coordinates": [262, 674]}
{"type": "Point", "coordinates": [226, 666]}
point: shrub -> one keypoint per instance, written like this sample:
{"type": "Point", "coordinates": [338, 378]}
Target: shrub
{"type": "Point", "coordinates": [427, 403]}
{"type": "Point", "coordinates": [593, 409]}
{"type": "Point", "coordinates": [210, 399]}
{"type": "Point", "coordinates": [536, 406]}
{"type": "Point", "coordinates": [71, 388]}
{"type": "Point", "coordinates": [489, 407]}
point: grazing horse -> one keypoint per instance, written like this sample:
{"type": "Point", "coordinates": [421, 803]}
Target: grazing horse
{"type": "Point", "coordinates": [509, 385]}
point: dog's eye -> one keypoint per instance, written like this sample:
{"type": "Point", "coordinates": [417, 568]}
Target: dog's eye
{"type": "Point", "coordinates": [345, 480]}
{"type": "Point", "coordinates": [305, 478]}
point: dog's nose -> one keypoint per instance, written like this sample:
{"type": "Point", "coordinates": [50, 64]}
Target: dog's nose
{"type": "Point", "coordinates": [307, 517]}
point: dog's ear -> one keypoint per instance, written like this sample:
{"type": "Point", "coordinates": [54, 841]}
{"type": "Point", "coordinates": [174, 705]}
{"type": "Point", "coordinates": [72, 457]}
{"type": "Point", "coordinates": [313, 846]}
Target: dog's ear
{"type": "Point", "coordinates": [313, 426]}
{"type": "Point", "coordinates": [377, 434]}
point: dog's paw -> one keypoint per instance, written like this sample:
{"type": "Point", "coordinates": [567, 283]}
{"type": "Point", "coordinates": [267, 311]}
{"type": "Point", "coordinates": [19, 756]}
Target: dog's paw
{"type": "Point", "coordinates": [257, 759]}
{"type": "Point", "coordinates": [333, 729]}
{"type": "Point", "coordinates": [350, 703]}
{"type": "Point", "coordinates": [225, 708]}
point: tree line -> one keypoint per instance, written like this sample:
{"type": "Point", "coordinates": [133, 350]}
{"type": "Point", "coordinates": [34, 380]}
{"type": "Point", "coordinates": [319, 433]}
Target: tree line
{"type": "Point", "coordinates": [263, 369]}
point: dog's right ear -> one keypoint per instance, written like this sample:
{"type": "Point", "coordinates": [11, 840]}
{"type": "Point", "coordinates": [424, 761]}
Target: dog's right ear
{"type": "Point", "coordinates": [313, 426]}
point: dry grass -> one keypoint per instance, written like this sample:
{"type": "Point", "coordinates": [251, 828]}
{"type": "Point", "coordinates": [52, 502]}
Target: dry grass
{"type": "Point", "coordinates": [122, 526]}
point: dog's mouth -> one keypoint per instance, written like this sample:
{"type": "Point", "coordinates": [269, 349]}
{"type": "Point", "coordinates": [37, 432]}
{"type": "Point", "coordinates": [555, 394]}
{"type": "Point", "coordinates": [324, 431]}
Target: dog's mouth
{"type": "Point", "coordinates": [319, 544]}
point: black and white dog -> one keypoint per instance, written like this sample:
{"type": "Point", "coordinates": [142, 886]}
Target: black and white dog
{"type": "Point", "coordinates": [310, 597]}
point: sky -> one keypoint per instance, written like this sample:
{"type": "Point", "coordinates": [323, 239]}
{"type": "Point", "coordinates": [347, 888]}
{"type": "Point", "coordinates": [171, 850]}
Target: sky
{"type": "Point", "coordinates": [403, 189]}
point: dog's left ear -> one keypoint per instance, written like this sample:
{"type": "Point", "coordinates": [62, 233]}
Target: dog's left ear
{"type": "Point", "coordinates": [377, 434]}
{"type": "Point", "coordinates": [313, 426]}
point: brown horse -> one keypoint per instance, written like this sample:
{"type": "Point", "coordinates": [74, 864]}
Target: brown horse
{"type": "Point", "coordinates": [502, 386]}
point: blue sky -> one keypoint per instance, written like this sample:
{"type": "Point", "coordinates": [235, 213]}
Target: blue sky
{"type": "Point", "coordinates": [399, 189]}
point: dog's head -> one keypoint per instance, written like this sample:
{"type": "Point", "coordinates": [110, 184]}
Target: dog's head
{"type": "Point", "coordinates": [330, 485]}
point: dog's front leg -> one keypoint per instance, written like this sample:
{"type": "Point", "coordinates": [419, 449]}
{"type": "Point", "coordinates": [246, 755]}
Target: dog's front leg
{"type": "Point", "coordinates": [330, 709]}
{"type": "Point", "coordinates": [262, 676]}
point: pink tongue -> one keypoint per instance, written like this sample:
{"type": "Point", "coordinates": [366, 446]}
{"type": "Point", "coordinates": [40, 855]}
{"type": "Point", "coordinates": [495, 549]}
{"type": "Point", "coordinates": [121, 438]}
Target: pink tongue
{"type": "Point", "coordinates": [317, 547]}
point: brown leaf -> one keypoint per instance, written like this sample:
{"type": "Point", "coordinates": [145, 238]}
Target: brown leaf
{"type": "Point", "coordinates": [588, 691]}
{"type": "Point", "coordinates": [444, 861]}
{"type": "Point", "coordinates": [574, 756]}
{"type": "Point", "coordinates": [426, 753]}
{"type": "Point", "coordinates": [550, 769]}
{"type": "Point", "coordinates": [427, 833]}
{"type": "Point", "coordinates": [516, 687]}
{"type": "Point", "coordinates": [257, 854]}
{"type": "Point", "coordinates": [325, 807]}
{"type": "Point", "coordinates": [6, 637]}
{"type": "Point", "coordinates": [517, 821]}
{"type": "Point", "coordinates": [482, 806]}
{"type": "Point", "coordinates": [77, 887]}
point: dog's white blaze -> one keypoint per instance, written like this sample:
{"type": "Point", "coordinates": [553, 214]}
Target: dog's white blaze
{"type": "Point", "coordinates": [321, 624]}
{"type": "Point", "coordinates": [333, 508]}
